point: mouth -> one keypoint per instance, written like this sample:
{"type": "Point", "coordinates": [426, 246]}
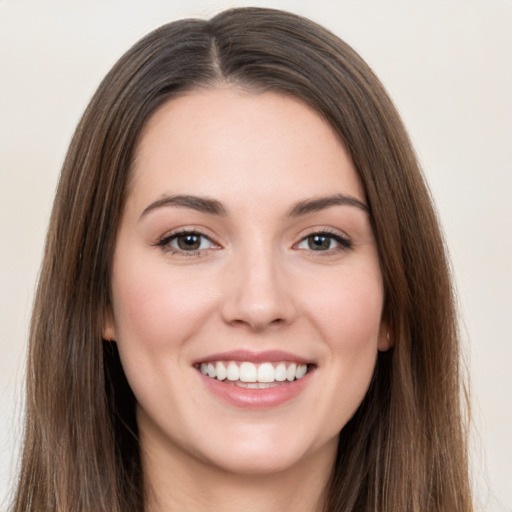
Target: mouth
{"type": "Point", "coordinates": [250, 375]}
{"type": "Point", "coordinates": [255, 380]}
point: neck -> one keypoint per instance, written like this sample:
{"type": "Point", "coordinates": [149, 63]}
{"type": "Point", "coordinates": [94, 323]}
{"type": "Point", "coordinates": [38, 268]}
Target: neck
{"type": "Point", "coordinates": [186, 484]}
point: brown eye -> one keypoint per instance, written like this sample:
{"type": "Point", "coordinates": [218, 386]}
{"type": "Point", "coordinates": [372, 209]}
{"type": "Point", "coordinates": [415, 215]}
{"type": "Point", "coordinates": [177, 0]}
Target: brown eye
{"type": "Point", "coordinates": [324, 242]}
{"type": "Point", "coordinates": [189, 241]}
{"type": "Point", "coordinates": [319, 242]}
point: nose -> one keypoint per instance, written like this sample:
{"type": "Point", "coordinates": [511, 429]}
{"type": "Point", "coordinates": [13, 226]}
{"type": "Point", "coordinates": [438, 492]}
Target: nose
{"type": "Point", "coordinates": [259, 293]}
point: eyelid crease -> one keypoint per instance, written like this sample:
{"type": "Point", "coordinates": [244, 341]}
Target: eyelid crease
{"type": "Point", "coordinates": [332, 232]}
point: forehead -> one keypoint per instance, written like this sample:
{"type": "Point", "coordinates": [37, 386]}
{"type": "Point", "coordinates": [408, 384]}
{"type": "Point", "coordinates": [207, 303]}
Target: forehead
{"type": "Point", "coordinates": [234, 144]}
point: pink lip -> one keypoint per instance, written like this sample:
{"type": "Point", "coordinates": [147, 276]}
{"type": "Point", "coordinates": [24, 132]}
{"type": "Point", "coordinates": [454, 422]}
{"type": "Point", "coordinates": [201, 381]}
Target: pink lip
{"type": "Point", "coordinates": [244, 398]}
{"type": "Point", "coordinates": [268, 356]}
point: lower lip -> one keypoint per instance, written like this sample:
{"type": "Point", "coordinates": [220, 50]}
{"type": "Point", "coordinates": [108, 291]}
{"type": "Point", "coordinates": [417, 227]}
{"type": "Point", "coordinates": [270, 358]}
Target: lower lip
{"type": "Point", "coordinates": [246, 398]}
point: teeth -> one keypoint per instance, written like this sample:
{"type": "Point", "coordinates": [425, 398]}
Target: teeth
{"type": "Point", "coordinates": [290, 372]}
{"type": "Point", "coordinates": [301, 371]}
{"type": "Point", "coordinates": [221, 371]}
{"type": "Point", "coordinates": [280, 372]}
{"type": "Point", "coordinates": [233, 373]}
{"type": "Point", "coordinates": [254, 376]}
{"type": "Point", "coordinates": [248, 372]}
{"type": "Point", "coordinates": [266, 373]}
{"type": "Point", "coordinates": [212, 372]}
{"type": "Point", "coordinates": [256, 385]}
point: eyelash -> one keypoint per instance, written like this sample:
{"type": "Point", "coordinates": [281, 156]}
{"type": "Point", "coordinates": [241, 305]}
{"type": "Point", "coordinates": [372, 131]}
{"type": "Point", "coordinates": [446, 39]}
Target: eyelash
{"type": "Point", "coordinates": [344, 243]}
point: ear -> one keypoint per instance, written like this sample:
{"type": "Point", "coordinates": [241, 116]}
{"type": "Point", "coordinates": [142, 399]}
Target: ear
{"type": "Point", "coordinates": [109, 329]}
{"type": "Point", "coordinates": [386, 338]}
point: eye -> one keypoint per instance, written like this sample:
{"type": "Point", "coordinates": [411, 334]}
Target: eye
{"type": "Point", "coordinates": [324, 241]}
{"type": "Point", "coordinates": [187, 241]}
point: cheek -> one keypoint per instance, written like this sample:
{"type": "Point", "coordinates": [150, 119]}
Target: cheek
{"type": "Point", "coordinates": [347, 309]}
{"type": "Point", "coordinates": [158, 308]}
{"type": "Point", "coordinates": [347, 314]}
{"type": "Point", "coordinates": [354, 339]}
{"type": "Point", "coordinates": [157, 311]}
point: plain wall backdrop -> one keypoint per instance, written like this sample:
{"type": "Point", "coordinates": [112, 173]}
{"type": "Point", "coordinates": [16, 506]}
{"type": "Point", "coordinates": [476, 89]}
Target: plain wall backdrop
{"type": "Point", "coordinates": [448, 67]}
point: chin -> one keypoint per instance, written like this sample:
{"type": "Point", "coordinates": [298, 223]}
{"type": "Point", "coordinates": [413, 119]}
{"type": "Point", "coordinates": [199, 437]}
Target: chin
{"type": "Point", "coordinates": [266, 453]}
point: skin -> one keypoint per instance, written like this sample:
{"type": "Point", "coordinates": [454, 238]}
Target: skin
{"type": "Point", "coordinates": [255, 284]}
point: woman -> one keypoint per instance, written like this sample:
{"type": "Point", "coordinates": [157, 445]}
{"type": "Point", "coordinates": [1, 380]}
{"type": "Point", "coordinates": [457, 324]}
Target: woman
{"type": "Point", "coordinates": [244, 301]}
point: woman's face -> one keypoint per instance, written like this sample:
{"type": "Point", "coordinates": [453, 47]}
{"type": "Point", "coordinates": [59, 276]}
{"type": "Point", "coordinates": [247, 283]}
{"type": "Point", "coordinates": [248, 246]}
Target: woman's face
{"type": "Point", "coordinates": [244, 258]}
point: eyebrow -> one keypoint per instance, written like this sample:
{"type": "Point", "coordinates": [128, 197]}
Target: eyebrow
{"type": "Point", "coordinates": [214, 207]}
{"type": "Point", "coordinates": [200, 204]}
{"type": "Point", "coordinates": [321, 203]}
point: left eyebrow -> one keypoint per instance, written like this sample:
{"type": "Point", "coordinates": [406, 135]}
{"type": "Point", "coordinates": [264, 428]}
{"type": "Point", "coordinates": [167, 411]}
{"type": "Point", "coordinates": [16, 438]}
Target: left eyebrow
{"type": "Point", "coordinates": [200, 204]}
{"type": "Point", "coordinates": [321, 203]}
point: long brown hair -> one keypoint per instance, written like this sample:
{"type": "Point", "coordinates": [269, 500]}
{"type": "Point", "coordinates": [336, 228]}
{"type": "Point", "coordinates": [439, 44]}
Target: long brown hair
{"type": "Point", "coordinates": [405, 448]}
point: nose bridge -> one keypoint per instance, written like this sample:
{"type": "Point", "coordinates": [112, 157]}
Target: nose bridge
{"type": "Point", "coordinates": [258, 295]}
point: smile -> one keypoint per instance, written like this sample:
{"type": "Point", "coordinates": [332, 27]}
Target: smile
{"type": "Point", "coordinates": [253, 375]}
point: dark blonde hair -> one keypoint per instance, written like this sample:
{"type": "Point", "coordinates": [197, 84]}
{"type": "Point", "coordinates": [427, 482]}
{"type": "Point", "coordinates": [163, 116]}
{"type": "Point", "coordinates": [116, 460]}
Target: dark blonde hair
{"type": "Point", "coordinates": [405, 448]}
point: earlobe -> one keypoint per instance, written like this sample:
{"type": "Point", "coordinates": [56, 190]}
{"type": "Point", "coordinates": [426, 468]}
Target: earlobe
{"type": "Point", "coordinates": [386, 340]}
{"type": "Point", "coordinates": [109, 330]}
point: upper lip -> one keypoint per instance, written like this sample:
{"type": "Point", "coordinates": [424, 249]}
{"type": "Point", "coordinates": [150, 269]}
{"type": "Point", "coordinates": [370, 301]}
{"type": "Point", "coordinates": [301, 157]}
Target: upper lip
{"type": "Point", "coordinates": [267, 356]}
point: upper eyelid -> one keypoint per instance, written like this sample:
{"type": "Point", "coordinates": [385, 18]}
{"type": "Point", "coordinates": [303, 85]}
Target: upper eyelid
{"type": "Point", "coordinates": [325, 231]}
{"type": "Point", "coordinates": [338, 239]}
{"type": "Point", "coordinates": [188, 230]}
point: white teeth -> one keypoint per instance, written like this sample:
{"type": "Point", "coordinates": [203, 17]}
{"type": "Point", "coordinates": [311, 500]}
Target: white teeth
{"type": "Point", "coordinates": [255, 385]}
{"type": "Point", "coordinates": [280, 372]}
{"type": "Point", "coordinates": [221, 371]}
{"type": "Point", "coordinates": [212, 372]}
{"type": "Point", "coordinates": [254, 376]}
{"type": "Point", "coordinates": [290, 372]}
{"type": "Point", "coordinates": [301, 371]}
{"type": "Point", "coordinates": [266, 373]}
{"type": "Point", "coordinates": [233, 373]}
{"type": "Point", "coordinates": [248, 372]}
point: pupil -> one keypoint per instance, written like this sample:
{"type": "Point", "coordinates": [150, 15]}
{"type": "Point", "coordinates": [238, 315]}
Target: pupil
{"type": "Point", "coordinates": [189, 242]}
{"type": "Point", "coordinates": [319, 242]}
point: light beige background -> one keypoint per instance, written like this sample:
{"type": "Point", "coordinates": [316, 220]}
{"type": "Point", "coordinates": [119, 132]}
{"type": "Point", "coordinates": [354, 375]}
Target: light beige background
{"type": "Point", "coordinates": [448, 66]}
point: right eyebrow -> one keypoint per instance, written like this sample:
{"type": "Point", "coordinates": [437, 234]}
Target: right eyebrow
{"type": "Point", "coordinates": [321, 203]}
{"type": "Point", "coordinates": [201, 204]}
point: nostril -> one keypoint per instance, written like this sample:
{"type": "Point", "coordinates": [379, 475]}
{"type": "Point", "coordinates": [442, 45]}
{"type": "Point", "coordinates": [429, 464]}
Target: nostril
{"type": "Point", "coordinates": [258, 324]}
{"type": "Point", "coordinates": [258, 303]}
